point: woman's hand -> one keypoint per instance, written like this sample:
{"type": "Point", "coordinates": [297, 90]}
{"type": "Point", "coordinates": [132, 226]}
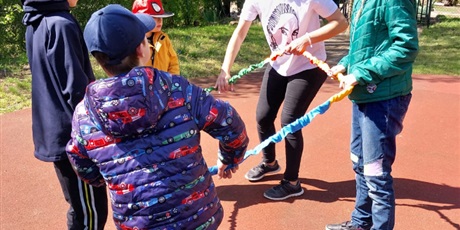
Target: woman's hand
{"type": "Point", "coordinates": [222, 84]}
{"type": "Point", "coordinates": [299, 45]}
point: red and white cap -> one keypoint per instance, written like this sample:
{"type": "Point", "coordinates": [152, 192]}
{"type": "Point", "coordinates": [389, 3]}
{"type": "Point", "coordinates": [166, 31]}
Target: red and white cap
{"type": "Point", "coordinates": [152, 7]}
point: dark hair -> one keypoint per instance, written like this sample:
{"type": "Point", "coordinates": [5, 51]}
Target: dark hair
{"type": "Point", "coordinates": [274, 19]}
{"type": "Point", "coordinates": [125, 66]}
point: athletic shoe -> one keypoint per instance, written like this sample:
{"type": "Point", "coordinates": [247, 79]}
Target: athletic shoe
{"type": "Point", "coordinates": [261, 170]}
{"type": "Point", "coordinates": [284, 190]}
{"type": "Point", "coordinates": [342, 226]}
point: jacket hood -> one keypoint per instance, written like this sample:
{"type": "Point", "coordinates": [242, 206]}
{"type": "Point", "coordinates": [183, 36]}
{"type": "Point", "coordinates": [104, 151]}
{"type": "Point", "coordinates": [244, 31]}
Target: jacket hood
{"type": "Point", "coordinates": [35, 9]}
{"type": "Point", "coordinates": [128, 105]}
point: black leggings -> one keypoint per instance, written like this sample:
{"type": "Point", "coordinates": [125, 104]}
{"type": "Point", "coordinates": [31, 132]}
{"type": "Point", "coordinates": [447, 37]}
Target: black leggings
{"type": "Point", "coordinates": [297, 92]}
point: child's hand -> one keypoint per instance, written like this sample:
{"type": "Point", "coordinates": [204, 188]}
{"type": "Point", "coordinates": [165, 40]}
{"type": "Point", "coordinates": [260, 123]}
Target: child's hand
{"type": "Point", "coordinates": [222, 173]}
{"type": "Point", "coordinates": [337, 69]}
{"type": "Point", "coordinates": [347, 81]}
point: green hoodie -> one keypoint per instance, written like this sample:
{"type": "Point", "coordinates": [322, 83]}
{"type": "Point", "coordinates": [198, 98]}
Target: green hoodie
{"type": "Point", "coordinates": [383, 47]}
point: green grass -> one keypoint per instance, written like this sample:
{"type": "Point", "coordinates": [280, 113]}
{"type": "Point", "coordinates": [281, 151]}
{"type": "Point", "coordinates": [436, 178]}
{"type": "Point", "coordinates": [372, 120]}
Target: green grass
{"type": "Point", "coordinates": [201, 51]}
{"type": "Point", "coordinates": [15, 84]}
{"type": "Point", "coordinates": [440, 48]}
{"type": "Point", "coordinates": [14, 93]}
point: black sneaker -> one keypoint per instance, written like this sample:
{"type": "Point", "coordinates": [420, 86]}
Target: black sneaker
{"type": "Point", "coordinates": [283, 191]}
{"type": "Point", "coordinates": [261, 170]}
{"type": "Point", "coordinates": [342, 226]}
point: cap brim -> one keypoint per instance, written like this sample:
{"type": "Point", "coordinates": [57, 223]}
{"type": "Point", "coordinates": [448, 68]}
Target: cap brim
{"type": "Point", "coordinates": [165, 15]}
{"type": "Point", "coordinates": [147, 20]}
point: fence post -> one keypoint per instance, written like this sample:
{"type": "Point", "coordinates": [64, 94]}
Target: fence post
{"type": "Point", "coordinates": [424, 8]}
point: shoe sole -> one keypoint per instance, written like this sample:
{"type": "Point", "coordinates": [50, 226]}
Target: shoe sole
{"type": "Point", "coordinates": [286, 197]}
{"type": "Point", "coordinates": [259, 178]}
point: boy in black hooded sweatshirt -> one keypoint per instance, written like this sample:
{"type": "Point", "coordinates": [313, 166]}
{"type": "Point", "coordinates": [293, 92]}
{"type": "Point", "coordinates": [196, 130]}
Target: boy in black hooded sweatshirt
{"type": "Point", "coordinates": [61, 70]}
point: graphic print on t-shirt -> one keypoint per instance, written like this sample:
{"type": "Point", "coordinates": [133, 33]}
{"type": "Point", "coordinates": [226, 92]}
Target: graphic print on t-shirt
{"type": "Point", "coordinates": [282, 26]}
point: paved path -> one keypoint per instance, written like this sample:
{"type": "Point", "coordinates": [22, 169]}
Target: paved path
{"type": "Point", "coordinates": [427, 172]}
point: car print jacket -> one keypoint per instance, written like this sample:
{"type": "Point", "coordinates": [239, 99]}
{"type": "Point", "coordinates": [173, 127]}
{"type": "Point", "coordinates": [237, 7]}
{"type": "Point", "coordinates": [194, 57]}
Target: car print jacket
{"type": "Point", "coordinates": [139, 134]}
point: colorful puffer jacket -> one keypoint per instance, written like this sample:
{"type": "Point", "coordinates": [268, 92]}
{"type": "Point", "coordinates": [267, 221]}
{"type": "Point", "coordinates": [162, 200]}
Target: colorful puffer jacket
{"type": "Point", "coordinates": [383, 47]}
{"type": "Point", "coordinates": [140, 134]}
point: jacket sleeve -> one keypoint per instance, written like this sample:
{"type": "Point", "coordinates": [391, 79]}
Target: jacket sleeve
{"type": "Point", "coordinates": [221, 121]}
{"type": "Point", "coordinates": [344, 61]}
{"type": "Point", "coordinates": [403, 45]}
{"type": "Point", "coordinates": [68, 55]}
{"type": "Point", "coordinates": [173, 59]}
{"type": "Point", "coordinates": [83, 166]}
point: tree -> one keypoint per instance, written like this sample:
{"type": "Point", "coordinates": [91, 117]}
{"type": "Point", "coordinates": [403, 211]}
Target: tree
{"type": "Point", "coordinates": [12, 35]}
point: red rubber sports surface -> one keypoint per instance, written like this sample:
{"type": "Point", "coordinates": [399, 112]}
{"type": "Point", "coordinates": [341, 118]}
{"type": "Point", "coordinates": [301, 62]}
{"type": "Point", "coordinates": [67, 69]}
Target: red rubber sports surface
{"type": "Point", "coordinates": [426, 171]}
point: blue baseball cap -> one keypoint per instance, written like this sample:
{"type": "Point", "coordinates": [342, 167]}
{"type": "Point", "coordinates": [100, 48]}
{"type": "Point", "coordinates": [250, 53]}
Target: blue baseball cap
{"type": "Point", "coordinates": [116, 31]}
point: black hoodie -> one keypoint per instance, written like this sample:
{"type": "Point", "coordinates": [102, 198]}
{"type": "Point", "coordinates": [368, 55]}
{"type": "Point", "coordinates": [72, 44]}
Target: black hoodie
{"type": "Point", "coordinates": [61, 70]}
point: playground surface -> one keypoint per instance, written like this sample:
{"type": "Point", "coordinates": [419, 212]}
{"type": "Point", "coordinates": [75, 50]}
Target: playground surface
{"type": "Point", "coordinates": [426, 172]}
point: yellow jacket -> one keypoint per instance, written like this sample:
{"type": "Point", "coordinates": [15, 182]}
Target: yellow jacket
{"type": "Point", "coordinates": [163, 56]}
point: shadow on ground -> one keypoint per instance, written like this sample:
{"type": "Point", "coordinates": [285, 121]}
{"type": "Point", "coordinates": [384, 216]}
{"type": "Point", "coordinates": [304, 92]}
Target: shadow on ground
{"type": "Point", "coordinates": [245, 87]}
{"type": "Point", "coordinates": [441, 197]}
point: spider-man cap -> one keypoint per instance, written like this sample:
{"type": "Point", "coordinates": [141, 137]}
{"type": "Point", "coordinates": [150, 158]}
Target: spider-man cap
{"type": "Point", "coordinates": [152, 7]}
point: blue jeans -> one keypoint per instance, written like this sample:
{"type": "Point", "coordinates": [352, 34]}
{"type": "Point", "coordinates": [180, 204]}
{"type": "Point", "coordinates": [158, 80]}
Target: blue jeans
{"type": "Point", "coordinates": [373, 151]}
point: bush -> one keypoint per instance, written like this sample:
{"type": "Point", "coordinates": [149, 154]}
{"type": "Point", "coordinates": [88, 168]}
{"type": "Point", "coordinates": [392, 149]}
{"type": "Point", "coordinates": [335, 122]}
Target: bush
{"type": "Point", "coordinates": [12, 35]}
{"type": "Point", "coordinates": [187, 13]}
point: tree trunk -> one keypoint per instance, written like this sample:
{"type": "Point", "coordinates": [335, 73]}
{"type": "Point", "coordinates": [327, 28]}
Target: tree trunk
{"type": "Point", "coordinates": [226, 7]}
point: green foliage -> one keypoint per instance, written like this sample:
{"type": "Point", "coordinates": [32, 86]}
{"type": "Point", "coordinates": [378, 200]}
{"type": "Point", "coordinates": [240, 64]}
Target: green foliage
{"type": "Point", "coordinates": [84, 9]}
{"type": "Point", "coordinates": [194, 13]}
{"type": "Point", "coordinates": [12, 35]}
{"type": "Point", "coordinates": [440, 48]}
{"type": "Point", "coordinates": [201, 49]}
{"type": "Point", "coordinates": [212, 10]}
{"type": "Point", "coordinates": [186, 12]}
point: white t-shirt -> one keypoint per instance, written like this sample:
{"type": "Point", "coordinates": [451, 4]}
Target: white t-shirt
{"type": "Point", "coordinates": [286, 20]}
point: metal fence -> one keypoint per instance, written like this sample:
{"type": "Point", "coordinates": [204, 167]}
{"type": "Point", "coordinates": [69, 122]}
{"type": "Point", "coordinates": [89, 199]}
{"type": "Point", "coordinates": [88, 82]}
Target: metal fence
{"type": "Point", "coordinates": [424, 8]}
{"type": "Point", "coordinates": [427, 10]}
{"type": "Point", "coordinates": [344, 6]}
